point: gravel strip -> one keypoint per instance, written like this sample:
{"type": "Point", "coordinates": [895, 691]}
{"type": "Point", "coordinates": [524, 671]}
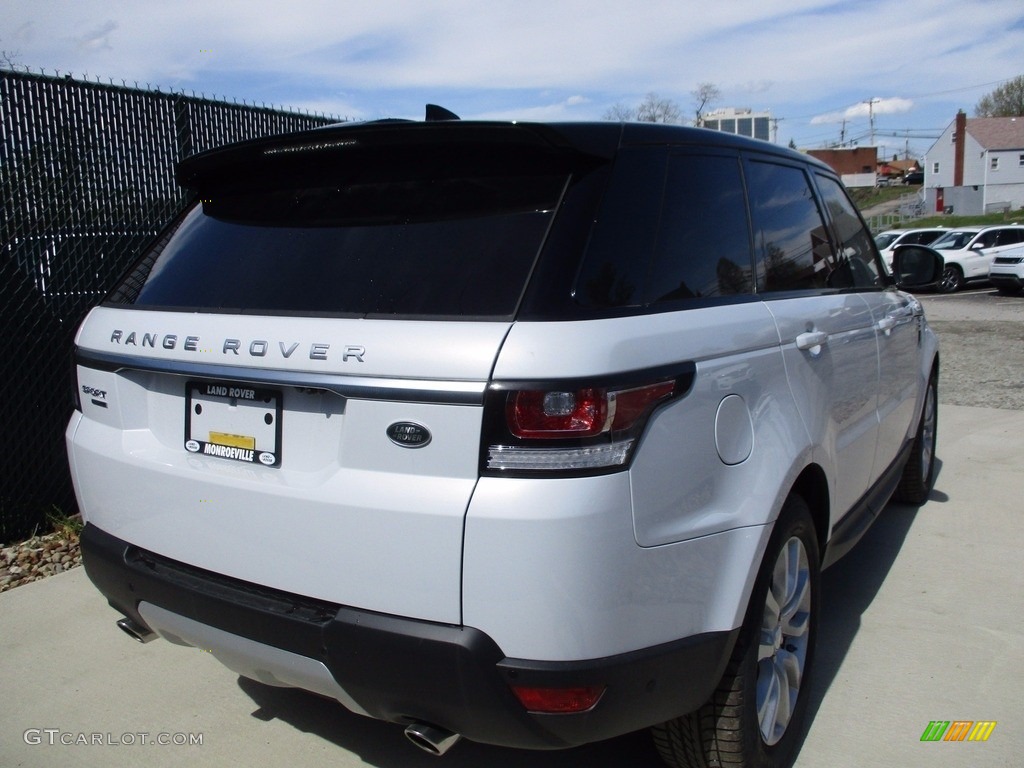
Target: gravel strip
{"type": "Point", "coordinates": [981, 343]}
{"type": "Point", "coordinates": [37, 558]}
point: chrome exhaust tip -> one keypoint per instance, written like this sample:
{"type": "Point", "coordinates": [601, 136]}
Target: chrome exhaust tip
{"type": "Point", "coordinates": [136, 631]}
{"type": "Point", "coordinates": [431, 739]}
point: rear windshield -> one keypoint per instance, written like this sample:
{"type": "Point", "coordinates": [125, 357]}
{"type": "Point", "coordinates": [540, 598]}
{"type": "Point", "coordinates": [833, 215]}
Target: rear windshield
{"type": "Point", "coordinates": [460, 246]}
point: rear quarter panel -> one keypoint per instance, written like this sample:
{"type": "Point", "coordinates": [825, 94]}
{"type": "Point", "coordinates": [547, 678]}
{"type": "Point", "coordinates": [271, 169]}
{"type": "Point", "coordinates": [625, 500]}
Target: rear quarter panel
{"type": "Point", "coordinates": [579, 568]}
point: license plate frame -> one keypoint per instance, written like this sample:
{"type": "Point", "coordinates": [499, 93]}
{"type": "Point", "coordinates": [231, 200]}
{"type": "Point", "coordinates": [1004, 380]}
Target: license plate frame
{"type": "Point", "coordinates": [234, 421]}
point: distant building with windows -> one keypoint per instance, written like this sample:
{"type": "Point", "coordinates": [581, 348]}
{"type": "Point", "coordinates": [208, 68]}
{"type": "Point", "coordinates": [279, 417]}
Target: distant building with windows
{"type": "Point", "coordinates": [743, 122]}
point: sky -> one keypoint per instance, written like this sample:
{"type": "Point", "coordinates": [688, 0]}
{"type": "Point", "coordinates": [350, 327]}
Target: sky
{"type": "Point", "coordinates": [911, 64]}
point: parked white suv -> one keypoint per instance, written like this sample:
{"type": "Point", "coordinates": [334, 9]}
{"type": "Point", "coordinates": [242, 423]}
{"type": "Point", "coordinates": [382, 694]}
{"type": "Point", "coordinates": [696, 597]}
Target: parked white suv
{"type": "Point", "coordinates": [968, 252]}
{"type": "Point", "coordinates": [1007, 271]}
{"type": "Point", "coordinates": [534, 434]}
{"type": "Point", "coordinates": [890, 239]}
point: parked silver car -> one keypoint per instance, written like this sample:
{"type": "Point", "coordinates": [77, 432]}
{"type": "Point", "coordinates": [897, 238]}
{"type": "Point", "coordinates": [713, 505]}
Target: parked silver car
{"type": "Point", "coordinates": [535, 434]}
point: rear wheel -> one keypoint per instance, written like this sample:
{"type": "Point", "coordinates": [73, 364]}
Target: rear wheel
{"type": "Point", "coordinates": [919, 473]}
{"type": "Point", "coordinates": [754, 717]}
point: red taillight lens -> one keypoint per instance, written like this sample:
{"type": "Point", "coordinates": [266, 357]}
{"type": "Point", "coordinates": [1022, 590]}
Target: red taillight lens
{"type": "Point", "coordinates": [538, 414]}
{"type": "Point", "coordinates": [534, 414]}
{"type": "Point", "coordinates": [568, 428]}
{"type": "Point", "coordinates": [559, 701]}
{"type": "Point", "coordinates": [631, 404]}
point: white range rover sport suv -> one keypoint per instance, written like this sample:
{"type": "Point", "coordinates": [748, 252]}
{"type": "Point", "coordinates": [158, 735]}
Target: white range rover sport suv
{"type": "Point", "coordinates": [533, 434]}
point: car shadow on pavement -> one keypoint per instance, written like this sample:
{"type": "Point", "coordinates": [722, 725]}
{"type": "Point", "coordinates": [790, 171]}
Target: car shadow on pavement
{"type": "Point", "coordinates": [384, 745]}
{"type": "Point", "coordinates": [851, 585]}
{"type": "Point", "coordinates": [848, 589]}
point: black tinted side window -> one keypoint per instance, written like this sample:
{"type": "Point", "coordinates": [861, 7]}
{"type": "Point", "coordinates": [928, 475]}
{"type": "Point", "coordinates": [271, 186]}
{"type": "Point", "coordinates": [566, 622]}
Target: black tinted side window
{"type": "Point", "coordinates": [1010, 236]}
{"type": "Point", "coordinates": [622, 239]}
{"type": "Point", "coordinates": [790, 240]}
{"type": "Point", "coordinates": [670, 228]}
{"type": "Point", "coordinates": [987, 239]}
{"type": "Point", "coordinates": [703, 246]}
{"type": "Point", "coordinates": [856, 265]}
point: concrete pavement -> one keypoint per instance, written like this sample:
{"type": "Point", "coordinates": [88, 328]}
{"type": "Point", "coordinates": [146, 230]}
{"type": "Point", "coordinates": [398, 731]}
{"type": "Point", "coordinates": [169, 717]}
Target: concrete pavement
{"type": "Point", "coordinates": [921, 622]}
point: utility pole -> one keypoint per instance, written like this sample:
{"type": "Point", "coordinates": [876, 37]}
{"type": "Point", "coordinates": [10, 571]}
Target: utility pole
{"type": "Point", "coordinates": [871, 117]}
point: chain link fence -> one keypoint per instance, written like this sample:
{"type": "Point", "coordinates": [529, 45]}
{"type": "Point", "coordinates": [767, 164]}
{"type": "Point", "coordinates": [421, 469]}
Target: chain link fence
{"type": "Point", "coordinates": [86, 180]}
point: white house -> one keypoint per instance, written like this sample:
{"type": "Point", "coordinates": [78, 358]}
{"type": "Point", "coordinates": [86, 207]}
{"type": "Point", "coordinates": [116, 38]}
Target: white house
{"type": "Point", "coordinates": [976, 166]}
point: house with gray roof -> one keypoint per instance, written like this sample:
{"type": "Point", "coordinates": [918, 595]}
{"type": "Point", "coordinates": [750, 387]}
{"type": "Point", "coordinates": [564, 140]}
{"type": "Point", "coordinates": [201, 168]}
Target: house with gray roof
{"type": "Point", "coordinates": [976, 166]}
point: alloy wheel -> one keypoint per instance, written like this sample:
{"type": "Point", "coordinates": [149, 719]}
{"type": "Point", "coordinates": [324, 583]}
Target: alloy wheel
{"type": "Point", "coordinates": [951, 280]}
{"type": "Point", "coordinates": [784, 638]}
{"type": "Point", "coordinates": [928, 426]}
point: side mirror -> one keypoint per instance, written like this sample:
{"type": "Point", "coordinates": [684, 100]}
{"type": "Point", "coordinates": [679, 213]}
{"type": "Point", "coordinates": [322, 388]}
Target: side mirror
{"type": "Point", "coordinates": [917, 267]}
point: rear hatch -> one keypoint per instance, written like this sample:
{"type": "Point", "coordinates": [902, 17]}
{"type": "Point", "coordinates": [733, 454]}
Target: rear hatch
{"type": "Point", "coordinates": [288, 388]}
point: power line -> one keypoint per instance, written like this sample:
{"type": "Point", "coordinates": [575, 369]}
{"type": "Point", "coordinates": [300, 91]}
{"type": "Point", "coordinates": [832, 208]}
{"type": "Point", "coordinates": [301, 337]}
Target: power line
{"type": "Point", "coordinates": [917, 96]}
{"type": "Point", "coordinates": [957, 90]}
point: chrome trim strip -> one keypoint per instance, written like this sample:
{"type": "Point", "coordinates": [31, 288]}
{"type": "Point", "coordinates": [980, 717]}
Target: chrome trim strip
{"type": "Point", "coordinates": [359, 387]}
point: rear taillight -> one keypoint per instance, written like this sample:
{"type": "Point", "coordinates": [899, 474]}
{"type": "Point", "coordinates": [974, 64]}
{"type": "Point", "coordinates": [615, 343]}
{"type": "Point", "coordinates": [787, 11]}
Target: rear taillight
{"type": "Point", "coordinates": [565, 427]}
{"type": "Point", "coordinates": [76, 397]}
{"type": "Point", "coordinates": [534, 413]}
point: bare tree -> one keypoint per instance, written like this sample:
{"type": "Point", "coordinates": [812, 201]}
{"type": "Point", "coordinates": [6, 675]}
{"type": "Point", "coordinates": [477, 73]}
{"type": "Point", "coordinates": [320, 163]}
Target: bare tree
{"type": "Point", "coordinates": [1005, 101]}
{"type": "Point", "coordinates": [620, 113]}
{"type": "Point", "coordinates": [654, 109]}
{"type": "Point", "coordinates": [704, 96]}
{"type": "Point", "coordinates": [8, 59]}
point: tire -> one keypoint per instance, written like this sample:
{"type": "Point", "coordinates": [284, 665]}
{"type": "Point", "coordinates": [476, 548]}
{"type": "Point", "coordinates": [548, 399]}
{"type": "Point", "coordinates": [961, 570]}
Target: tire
{"type": "Point", "coordinates": [754, 719]}
{"type": "Point", "coordinates": [952, 279]}
{"type": "Point", "coordinates": [919, 472]}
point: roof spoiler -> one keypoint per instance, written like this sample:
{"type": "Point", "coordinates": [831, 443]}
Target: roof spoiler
{"type": "Point", "coordinates": [434, 113]}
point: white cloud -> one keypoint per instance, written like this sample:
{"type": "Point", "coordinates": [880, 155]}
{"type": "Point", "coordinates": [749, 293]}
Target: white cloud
{"type": "Point", "coordinates": [25, 33]}
{"type": "Point", "coordinates": [802, 59]}
{"type": "Point", "coordinates": [97, 38]}
{"type": "Point", "coordinates": [562, 110]}
{"type": "Point", "coordinates": [864, 109]}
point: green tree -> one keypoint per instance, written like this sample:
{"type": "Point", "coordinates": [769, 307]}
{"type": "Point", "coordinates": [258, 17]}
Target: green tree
{"type": "Point", "coordinates": [1005, 101]}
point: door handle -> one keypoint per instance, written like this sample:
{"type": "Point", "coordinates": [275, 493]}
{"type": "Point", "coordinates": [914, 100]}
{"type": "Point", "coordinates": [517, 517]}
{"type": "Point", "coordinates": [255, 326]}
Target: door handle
{"type": "Point", "coordinates": [812, 340]}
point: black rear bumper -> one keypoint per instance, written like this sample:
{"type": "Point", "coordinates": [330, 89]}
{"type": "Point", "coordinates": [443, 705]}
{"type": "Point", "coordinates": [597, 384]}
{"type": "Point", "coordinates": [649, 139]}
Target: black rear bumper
{"type": "Point", "coordinates": [1006, 281]}
{"type": "Point", "coordinates": [403, 670]}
